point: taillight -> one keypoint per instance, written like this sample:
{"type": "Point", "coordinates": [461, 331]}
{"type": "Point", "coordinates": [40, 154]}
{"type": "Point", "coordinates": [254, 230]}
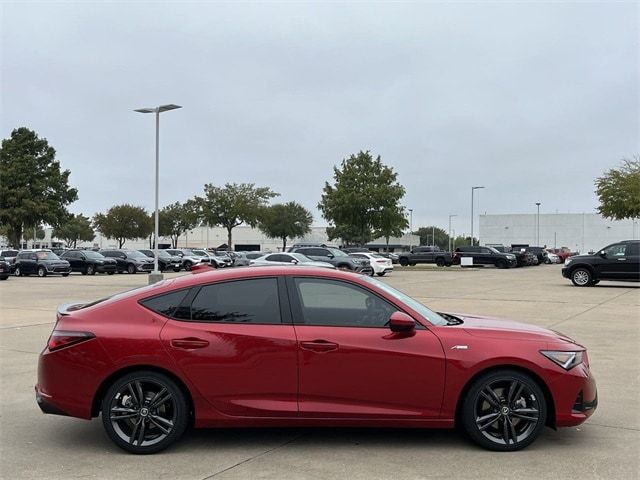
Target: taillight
{"type": "Point", "coordinates": [61, 339]}
{"type": "Point", "coordinates": [381, 261]}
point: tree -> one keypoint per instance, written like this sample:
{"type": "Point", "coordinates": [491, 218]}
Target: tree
{"type": "Point", "coordinates": [76, 227]}
{"type": "Point", "coordinates": [285, 220]}
{"type": "Point", "coordinates": [177, 218]}
{"type": "Point", "coordinates": [364, 198]}
{"type": "Point", "coordinates": [233, 205]}
{"type": "Point", "coordinates": [392, 223]}
{"type": "Point", "coordinates": [33, 188]}
{"type": "Point", "coordinates": [426, 236]}
{"type": "Point", "coordinates": [619, 191]}
{"type": "Point", "coordinates": [29, 231]}
{"type": "Point", "coordinates": [124, 222]}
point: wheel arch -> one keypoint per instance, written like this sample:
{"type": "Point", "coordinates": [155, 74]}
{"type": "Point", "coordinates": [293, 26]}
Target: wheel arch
{"type": "Point", "coordinates": [107, 382]}
{"type": "Point", "coordinates": [551, 408]}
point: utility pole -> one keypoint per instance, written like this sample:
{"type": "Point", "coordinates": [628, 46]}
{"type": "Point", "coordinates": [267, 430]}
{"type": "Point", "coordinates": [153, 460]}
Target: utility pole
{"type": "Point", "coordinates": [450, 216]}
{"type": "Point", "coordinates": [473, 189]}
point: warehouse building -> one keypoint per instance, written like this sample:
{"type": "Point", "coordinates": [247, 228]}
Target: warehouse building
{"type": "Point", "coordinates": [580, 232]}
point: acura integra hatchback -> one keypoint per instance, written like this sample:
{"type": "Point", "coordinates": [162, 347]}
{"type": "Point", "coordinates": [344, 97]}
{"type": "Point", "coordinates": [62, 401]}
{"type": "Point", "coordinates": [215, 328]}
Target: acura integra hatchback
{"type": "Point", "coordinates": [302, 346]}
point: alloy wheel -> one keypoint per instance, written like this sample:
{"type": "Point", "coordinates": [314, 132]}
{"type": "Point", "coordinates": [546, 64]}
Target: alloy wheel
{"type": "Point", "coordinates": [581, 277]}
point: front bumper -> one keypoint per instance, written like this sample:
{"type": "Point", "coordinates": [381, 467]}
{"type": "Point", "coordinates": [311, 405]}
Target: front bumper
{"type": "Point", "coordinates": [565, 272]}
{"type": "Point", "coordinates": [575, 396]}
{"type": "Point", "coordinates": [111, 267]}
{"type": "Point", "coordinates": [58, 269]}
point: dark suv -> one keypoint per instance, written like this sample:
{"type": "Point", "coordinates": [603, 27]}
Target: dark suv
{"type": "Point", "coordinates": [130, 261]}
{"type": "Point", "coordinates": [41, 262]}
{"type": "Point", "coordinates": [166, 261]}
{"type": "Point", "coordinates": [619, 261]}
{"type": "Point", "coordinates": [484, 256]}
{"type": "Point", "coordinates": [89, 262]}
{"type": "Point", "coordinates": [337, 258]}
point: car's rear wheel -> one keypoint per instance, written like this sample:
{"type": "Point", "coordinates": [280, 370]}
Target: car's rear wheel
{"type": "Point", "coordinates": [381, 274]}
{"type": "Point", "coordinates": [581, 277]}
{"type": "Point", "coordinates": [187, 266]}
{"type": "Point", "coordinates": [144, 412]}
{"type": "Point", "coordinates": [42, 272]}
{"type": "Point", "coordinates": [131, 268]}
{"type": "Point", "coordinates": [440, 262]}
{"type": "Point", "coordinates": [404, 262]}
{"type": "Point", "coordinates": [17, 272]}
{"type": "Point", "coordinates": [504, 410]}
{"type": "Point", "coordinates": [91, 270]}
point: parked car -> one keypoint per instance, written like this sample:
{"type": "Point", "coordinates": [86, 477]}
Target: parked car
{"type": "Point", "coordinates": [5, 269]}
{"type": "Point", "coordinates": [239, 259]}
{"type": "Point", "coordinates": [351, 250]}
{"type": "Point", "coordinates": [484, 256]}
{"type": "Point", "coordinates": [220, 258]}
{"type": "Point", "coordinates": [89, 262]}
{"type": "Point", "coordinates": [380, 265]}
{"type": "Point", "coordinates": [254, 255]}
{"type": "Point", "coordinates": [166, 261]}
{"type": "Point", "coordinates": [41, 262]}
{"type": "Point", "coordinates": [285, 258]}
{"type": "Point", "coordinates": [523, 257]}
{"type": "Point", "coordinates": [130, 261]}
{"type": "Point", "coordinates": [552, 258]}
{"type": "Point", "coordinates": [394, 257]}
{"type": "Point", "coordinates": [539, 252]}
{"type": "Point", "coordinates": [337, 258]}
{"type": "Point", "coordinates": [298, 346]}
{"type": "Point", "coordinates": [426, 254]}
{"type": "Point", "coordinates": [309, 244]}
{"type": "Point", "coordinates": [9, 255]}
{"type": "Point", "coordinates": [563, 253]}
{"type": "Point", "coordinates": [619, 261]}
{"type": "Point", "coordinates": [189, 257]}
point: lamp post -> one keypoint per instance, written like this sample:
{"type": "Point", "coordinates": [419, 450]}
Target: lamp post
{"type": "Point", "coordinates": [156, 276]}
{"type": "Point", "coordinates": [538, 225]}
{"type": "Point", "coordinates": [410, 227]}
{"type": "Point", "coordinates": [473, 189]}
{"type": "Point", "coordinates": [450, 217]}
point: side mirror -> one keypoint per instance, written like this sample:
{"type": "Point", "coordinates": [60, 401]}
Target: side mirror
{"type": "Point", "coordinates": [294, 261]}
{"type": "Point", "coordinates": [602, 253]}
{"type": "Point", "coordinates": [330, 255]}
{"type": "Point", "coordinates": [401, 322]}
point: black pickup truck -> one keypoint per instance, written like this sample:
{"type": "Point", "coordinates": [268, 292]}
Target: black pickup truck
{"type": "Point", "coordinates": [425, 255]}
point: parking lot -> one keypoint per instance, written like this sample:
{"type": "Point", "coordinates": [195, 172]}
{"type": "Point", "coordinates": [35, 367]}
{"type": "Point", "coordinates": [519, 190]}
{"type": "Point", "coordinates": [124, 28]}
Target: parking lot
{"type": "Point", "coordinates": [605, 318]}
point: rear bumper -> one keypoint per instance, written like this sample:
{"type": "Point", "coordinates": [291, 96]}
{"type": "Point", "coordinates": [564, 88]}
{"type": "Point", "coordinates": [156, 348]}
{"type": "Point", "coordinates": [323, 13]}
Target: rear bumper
{"type": "Point", "coordinates": [46, 404]}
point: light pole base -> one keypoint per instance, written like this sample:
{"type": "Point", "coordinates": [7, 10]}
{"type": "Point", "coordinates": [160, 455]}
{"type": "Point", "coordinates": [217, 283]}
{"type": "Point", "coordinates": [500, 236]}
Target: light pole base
{"type": "Point", "coordinates": [155, 277]}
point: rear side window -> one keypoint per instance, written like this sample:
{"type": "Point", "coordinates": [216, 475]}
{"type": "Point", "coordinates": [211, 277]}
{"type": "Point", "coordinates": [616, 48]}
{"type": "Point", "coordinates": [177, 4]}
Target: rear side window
{"type": "Point", "coordinates": [244, 301]}
{"type": "Point", "coordinates": [633, 249]}
{"type": "Point", "coordinates": [165, 304]}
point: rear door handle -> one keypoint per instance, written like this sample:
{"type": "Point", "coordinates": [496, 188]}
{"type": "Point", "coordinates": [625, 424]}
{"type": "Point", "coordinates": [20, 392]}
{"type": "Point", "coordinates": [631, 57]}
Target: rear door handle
{"type": "Point", "coordinates": [190, 343]}
{"type": "Point", "coordinates": [320, 346]}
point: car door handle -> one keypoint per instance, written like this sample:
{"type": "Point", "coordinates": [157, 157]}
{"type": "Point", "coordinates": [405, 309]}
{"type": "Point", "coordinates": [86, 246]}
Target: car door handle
{"type": "Point", "coordinates": [319, 346]}
{"type": "Point", "coordinates": [190, 343]}
{"type": "Point", "coordinates": [622, 259]}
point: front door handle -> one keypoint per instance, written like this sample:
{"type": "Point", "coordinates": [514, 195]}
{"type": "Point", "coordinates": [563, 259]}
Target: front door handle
{"type": "Point", "coordinates": [622, 259]}
{"type": "Point", "coordinates": [320, 346]}
{"type": "Point", "coordinates": [189, 343]}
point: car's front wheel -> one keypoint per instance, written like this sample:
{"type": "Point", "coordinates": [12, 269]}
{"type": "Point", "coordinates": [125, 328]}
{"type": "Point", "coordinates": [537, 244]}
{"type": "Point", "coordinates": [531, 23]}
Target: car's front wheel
{"type": "Point", "coordinates": [131, 268]}
{"type": "Point", "coordinates": [144, 412]}
{"type": "Point", "coordinates": [381, 274]}
{"type": "Point", "coordinates": [91, 269]}
{"type": "Point", "coordinates": [581, 277]}
{"type": "Point", "coordinates": [504, 410]}
{"type": "Point", "coordinates": [42, 272]}
{"type": "Point", "coordinates": [440, 262]}
{"type": "Point", "coordinates": [17, 272]}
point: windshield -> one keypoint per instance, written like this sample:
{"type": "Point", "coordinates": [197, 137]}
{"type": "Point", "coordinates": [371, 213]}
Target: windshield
{"type": "Point", "coordinates": [186, 251]}
{"type": "Point", "coordinates": [430, 315]}
{"type": "Point", "coordinates": [47, 256]}
{"type": "Point", "coordinates": [337, 253]}
{"type": "Point", "coordinates": [493, 250]}
{"type": "Point", "coordinates": [92, 254]}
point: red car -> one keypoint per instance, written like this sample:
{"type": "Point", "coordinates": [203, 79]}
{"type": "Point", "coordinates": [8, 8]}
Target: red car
{"type": "Point", "coordinates": [299, 346]}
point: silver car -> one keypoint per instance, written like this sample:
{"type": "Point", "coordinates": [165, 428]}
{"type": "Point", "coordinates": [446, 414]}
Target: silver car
{"type": "Point", "coordinates": [288, 259]}
{"type": "Point", "coordinates": [189, 258]}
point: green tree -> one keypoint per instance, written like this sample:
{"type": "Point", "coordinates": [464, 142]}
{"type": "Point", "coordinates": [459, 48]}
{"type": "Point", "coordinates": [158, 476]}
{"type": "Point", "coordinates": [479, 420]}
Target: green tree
{"type": "Point", "coordinates": [177, 218]}
{"type": "Point", "coordinates": [285, 220]}
{"type": "Point", "coordinates": [233, 205]}
{"type": "Point", "coordinates": [619, 191]}
{"type": "Point", "coordinates": [364, 198]}
{"type": "Point", "coordinates": [426, 235]}
{"type": "Point", "coordinates": [76, 227]}
{"type": "Point", "coordinates": [33, 188]}
{"type": "Point", "coordinates": [392, 223]}
{"type": "Point", "coordinates": [124, 222]}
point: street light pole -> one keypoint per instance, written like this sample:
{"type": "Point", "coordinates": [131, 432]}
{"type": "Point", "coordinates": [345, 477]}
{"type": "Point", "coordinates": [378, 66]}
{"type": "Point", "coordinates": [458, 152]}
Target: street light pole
{"type": "Point", "coordinates": [538, 225]}
{"type": "Point", "coordinates": [410, 227]}
{"type": "Point", "coordinates": [156, 276]}
{"type": "Point", "coordinates": [473, 189]}
{"type": "Point", "coordinates": [450, 216]}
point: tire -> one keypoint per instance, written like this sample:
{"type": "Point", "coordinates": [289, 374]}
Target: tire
{"type": "Point", "coordinates": [440, 262]}
{"type": "Point", "coordinates": [581, 277]}
{"type": "Point", "coordinates": [141, 428]}
{"type": "Point", "coordinates": [42, 272]}
{"type": "Point", "coordinates": [110, 273]}
{"type": "Point", "coordinates": [381, 274]}
{"type": "Point", "coordinates": [501, 264]}
{"type": "Point", "coordinates": [65, 274]}
{"type": "Point", "coordinates": [188, 265]}
{"type": "Point", "coordinates": [91, 269]}
{"type": "Point", "coordinates": [515, 403]}
{"type": "Point", "coordinates": [403, 261]}
{"type": "Point", "coordinates": [17, 272]}
{"type": "Point", "coordinates": [131, 268]}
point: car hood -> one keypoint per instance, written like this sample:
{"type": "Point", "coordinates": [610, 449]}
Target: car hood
{"type": "Point", "coordinates": [489, 327]}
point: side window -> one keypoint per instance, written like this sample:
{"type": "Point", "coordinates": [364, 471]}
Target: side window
{"type": "Point", "coordinates": [244, 301]}
{"type": "Point", "coordinates": [485, 250]}
{"type": "Point", "coordinates": [165, 304]}
{"type": "Point", "coordinates": [633, 249]}
{"type": "Point", "coordinates": [107, 254]}
{"type": "Point", "coordinates": [276, 257]}
{"type": "Point", "coordinates": [340, 304]}
{"type": "Point", "coordinates": [617, 250]}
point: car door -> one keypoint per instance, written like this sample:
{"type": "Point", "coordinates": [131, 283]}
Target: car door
{"type": "Point", "coordinates": [351, 365]}
{"type": "Point", "coordinates": [74, 260]}
{"type": "Point", "coordinates": [618, 262]}
{"type": "Point", "coordinates": [235, 342]}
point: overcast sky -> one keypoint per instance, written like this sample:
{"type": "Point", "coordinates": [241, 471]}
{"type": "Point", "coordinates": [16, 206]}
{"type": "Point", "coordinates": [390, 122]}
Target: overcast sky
{"type": "Point", "coordinates": [531, 100]}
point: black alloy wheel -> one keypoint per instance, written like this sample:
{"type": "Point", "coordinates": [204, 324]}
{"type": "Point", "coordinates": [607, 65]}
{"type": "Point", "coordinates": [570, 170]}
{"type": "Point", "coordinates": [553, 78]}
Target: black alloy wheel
{"type": "Point", "coordinates": [504, 411]}
{"type": "Point", "coordinates": [144, 412]}
{"type": "Point", "coordinates": [131, 268]}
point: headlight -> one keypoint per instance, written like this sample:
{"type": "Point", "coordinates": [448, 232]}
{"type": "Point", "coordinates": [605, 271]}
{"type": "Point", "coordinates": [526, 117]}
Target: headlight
{"type": "Point", "coordinates": [566, 360]}
{"type": "Point", "coordinates": [511, 257]}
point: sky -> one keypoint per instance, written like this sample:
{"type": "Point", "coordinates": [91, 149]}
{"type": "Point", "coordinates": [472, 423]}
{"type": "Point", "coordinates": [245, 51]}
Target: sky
{"type": "Point", "coordinates": [531, 100]}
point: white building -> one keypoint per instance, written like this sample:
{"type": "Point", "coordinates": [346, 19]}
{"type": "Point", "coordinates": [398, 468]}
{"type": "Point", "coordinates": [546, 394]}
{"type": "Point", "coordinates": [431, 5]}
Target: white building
{"type": "Point", "coordinates": [581, 232]}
